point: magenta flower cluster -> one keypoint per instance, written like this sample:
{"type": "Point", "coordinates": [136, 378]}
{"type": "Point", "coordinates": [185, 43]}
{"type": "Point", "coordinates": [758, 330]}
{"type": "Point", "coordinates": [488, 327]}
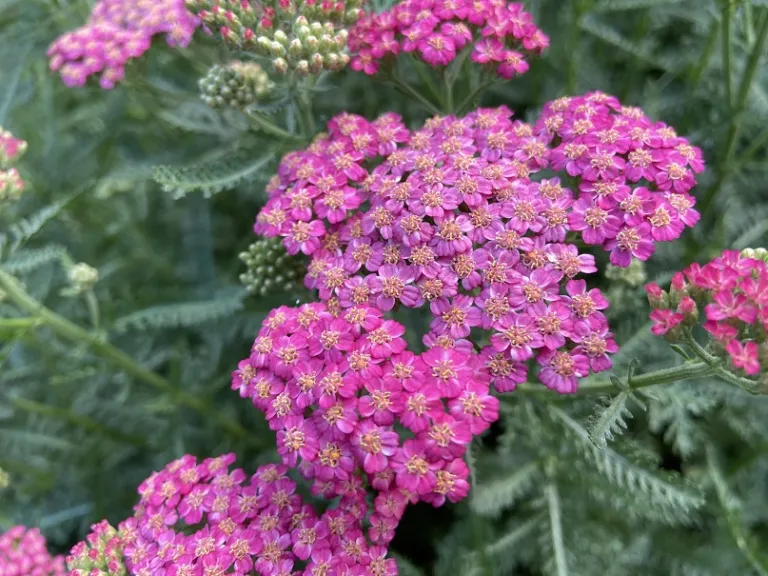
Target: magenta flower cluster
{"type": "Point", "coordinates": [117, 32]}
{"type": "Point", "coordinates": [11, 149]}
{"type": "Point", "coordinates": [354, 410]}
{"type": "Point", "coordinates": [500, 34]}
{"type": "Point", "coordinates": [453, 217]}
{"type": "Point", "coordinates": [23, 552]}
{"type": "Point", "coordinates": [205, 519]}
{"type": "Point", "coordinates": [100, 554]}
{"type": "Point", "coordinates": [733, 291]}
{"type": "Point", "coordinates": [635, 175]}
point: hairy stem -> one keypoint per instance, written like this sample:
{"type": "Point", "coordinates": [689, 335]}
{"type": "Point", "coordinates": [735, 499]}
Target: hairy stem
{"type": "Point", "coordinates": [410, 91]}
{"type": "Point", "coordinates": [664, 376]}
{"type": "Point", "coordinates": [70, 331]}
{"type": "Point", "coordinates": [737, 117]}
{"type": "Point", "coordinates": [270, 127]}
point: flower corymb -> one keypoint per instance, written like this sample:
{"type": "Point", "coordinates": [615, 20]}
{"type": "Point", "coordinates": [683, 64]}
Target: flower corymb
{"type": "Point", "coordinates": [457, 216]}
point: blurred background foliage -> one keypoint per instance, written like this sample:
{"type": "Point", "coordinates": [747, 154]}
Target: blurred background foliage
{"type": "Point", "coordinates": [158, 192]}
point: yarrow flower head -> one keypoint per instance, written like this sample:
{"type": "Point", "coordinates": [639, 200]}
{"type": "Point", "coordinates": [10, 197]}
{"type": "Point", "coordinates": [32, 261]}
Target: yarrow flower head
{"type": "Point", "coordinates": [100, 554]}
{"type": "Point", "coordinates": [732, 291]}
{"type": "Point", "coordinates": [203, 518]}
{"type": "Point", "coordinates": [499, 34]}
{"type": "Point", "coordinates": [23, 552]}
{"type": "Point", "coordinates": [11, 150]}
{"type": "Point", "coordinates": [457, 216]}
{"type": "Point", "coordinates": [235, 85]}
{"type": "Point", "coordinates": [117, 32]}
{"type": "Point", "coordinates": [339, 389]}
{"type": "Point", "coordinates": [304, 36]}
{"type": "Point", "coordinates": [635, 176]}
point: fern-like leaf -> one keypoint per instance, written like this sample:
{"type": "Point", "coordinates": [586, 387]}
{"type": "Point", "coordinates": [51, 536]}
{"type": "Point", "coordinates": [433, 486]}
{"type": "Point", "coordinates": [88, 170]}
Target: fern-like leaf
{"type": "Point", "coordinates": [746, 543]}
{"type": "Point", "coordinates": [491, 499]}
{"type": "Point", "coordinates": [212, 175]}
{"type": "Point", "coordinates": [610, 419]}
{"type": "Point", "coordinates": [23, 230]}
{"type": "Point", "coordinates": [185, 314]}
{"type": "Point", "coordinates": [25, 261]}
{"type": "Point", "coordinates": [665, 493]}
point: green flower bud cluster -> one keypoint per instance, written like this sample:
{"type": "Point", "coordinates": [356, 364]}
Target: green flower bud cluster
{"type": "Point", "coordinates": [235, 85]}
{"type": "Point", "coordinates": [304, 36]}
{"type": "Point", "coordinates": [756, 253]}
{"type": "Point", "coordinates": [101, 554]}
{"type": "Point", "coordinates": [633, 275]}
{"type": "Point", "coordinates": [82, 277]}
{"type": "Point", "coordinates": [271, 269]}
{"type": "Point", "coordinates": [11, 184]}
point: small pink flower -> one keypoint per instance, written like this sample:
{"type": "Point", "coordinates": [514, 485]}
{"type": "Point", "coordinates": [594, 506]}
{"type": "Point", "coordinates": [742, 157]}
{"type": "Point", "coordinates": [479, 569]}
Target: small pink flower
{"type": "Point", "coordinates": [744, 356]}
{"type": "Point", "coordinates": [664, 321]}
{"type": "Point", "coordinates": [413, 471]}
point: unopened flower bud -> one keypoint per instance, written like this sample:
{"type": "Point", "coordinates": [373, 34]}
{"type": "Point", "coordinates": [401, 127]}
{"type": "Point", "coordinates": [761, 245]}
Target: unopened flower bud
{"type": "Point", "coordinates": [296, 48]}
{"type": "Point", "coordinates": [311, 42]}
{"type": "Point", "coordinates": [82, 277]}
{"type": "Point", "coordinates": [689, 310]}
{"type": "Point", "coordinates": [277, 49]}
{"type": "Point", "coordinates": [302, 32]}
{"type": "Point", "coordinates": [657, 298]}
{"type": "Point", "coordinates": [316, 28]}
{"type": "Point", "coordinates": [264, 44]}
{"type": "Point", "coordinates": [316, 63]}
{"type": "Point", "coordinates": [301, 20]}
{"type": "Point", "coordinates": [234, 85]}
{"type": "Point", "coordinates": [755, 253]}
{"type": "Point", "coordinates": [331, 61]}
{"type": "Point", "coordinates": [678, 288]}
{"type": "Point", "coordinates": [281, 37]}
{"type": "Point", "coordinates": [280, 65]}
{"type": "Point", "coordinates": [302, 68]}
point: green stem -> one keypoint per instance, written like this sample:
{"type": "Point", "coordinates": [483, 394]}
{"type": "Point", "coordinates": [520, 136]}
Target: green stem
{"type": "Point", "coordinates": [409, 91]}
{"type": "Point", "coordinates": [17, 323]}
{"type": "Point", "coordinates": [93, 308]}
{"type": "Point", "coordinates": [664, 376]}
{"type": "Point", "coordinates": [725, 39]}
{"type": "Point", "coordinates": [305, 104]}
{"type": "Point", "coordinates": [76, 419]}
{"type": "Point", "coordinates": [474, 94]}
{"type": "Point", "coordinates": [270, 127]}
{"type": "Point", "coordinates": [726, 155]}
{"type": "Point", "coordinates": [70, 331]}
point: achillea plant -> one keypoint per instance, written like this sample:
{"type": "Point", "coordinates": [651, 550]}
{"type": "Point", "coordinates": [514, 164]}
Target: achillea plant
{"type": "Point", "coordinates": [23, 552]}
{"type": "Point", "coordinates": [11, 150]}
{"type": "Point", "coordinates": [500, 35]}
{"type": "Point", "coordinates": [470, 279]}
{"type": "Point", "coordinates": [117, 32]}
{"type": "Point", "coordinates": [304, 36]}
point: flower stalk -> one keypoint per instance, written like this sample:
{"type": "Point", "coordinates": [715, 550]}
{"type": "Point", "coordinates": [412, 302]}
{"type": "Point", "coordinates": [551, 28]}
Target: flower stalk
{"type": "Point", "coordinates": [70, 331]}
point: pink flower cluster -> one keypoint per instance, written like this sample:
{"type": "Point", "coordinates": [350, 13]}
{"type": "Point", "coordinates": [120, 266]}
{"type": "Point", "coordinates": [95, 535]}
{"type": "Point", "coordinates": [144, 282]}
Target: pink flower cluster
{"type": "Point", "coordinates": [100, 554]}
{"type": "Point", "coordinates": [733, 290]}
{"type": "Point", "coordinates": [498, 33]}
{"type": "Point", "coordinates": [23, 552]}
{"type": "Point", "coordinates": [635, 175]}
{"type": "Point", "coordinates": [11, 149]}
{"type": "Point", "coordinates": [203, 519]}
{"type": "Point", "coordinates": [117, 32]}
{"type": "Point", "coordinates": [353, 409]}
{"type": "Point", "coordinates": [452, 217]}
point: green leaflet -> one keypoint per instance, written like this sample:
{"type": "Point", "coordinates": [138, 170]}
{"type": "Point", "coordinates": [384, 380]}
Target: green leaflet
{"type": "Point", "coordinates": [26, 260]}
{"type": "Point", "coordinates": [666, 493]}
{"type": "Point", "coordinates": [493, 498]}
{"type": "Point", "coordinates": [211, 176]}
{"type": "Point", "coordinates": [609, 419]}
{"type": "Point", "coordinates": [184, 314]}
